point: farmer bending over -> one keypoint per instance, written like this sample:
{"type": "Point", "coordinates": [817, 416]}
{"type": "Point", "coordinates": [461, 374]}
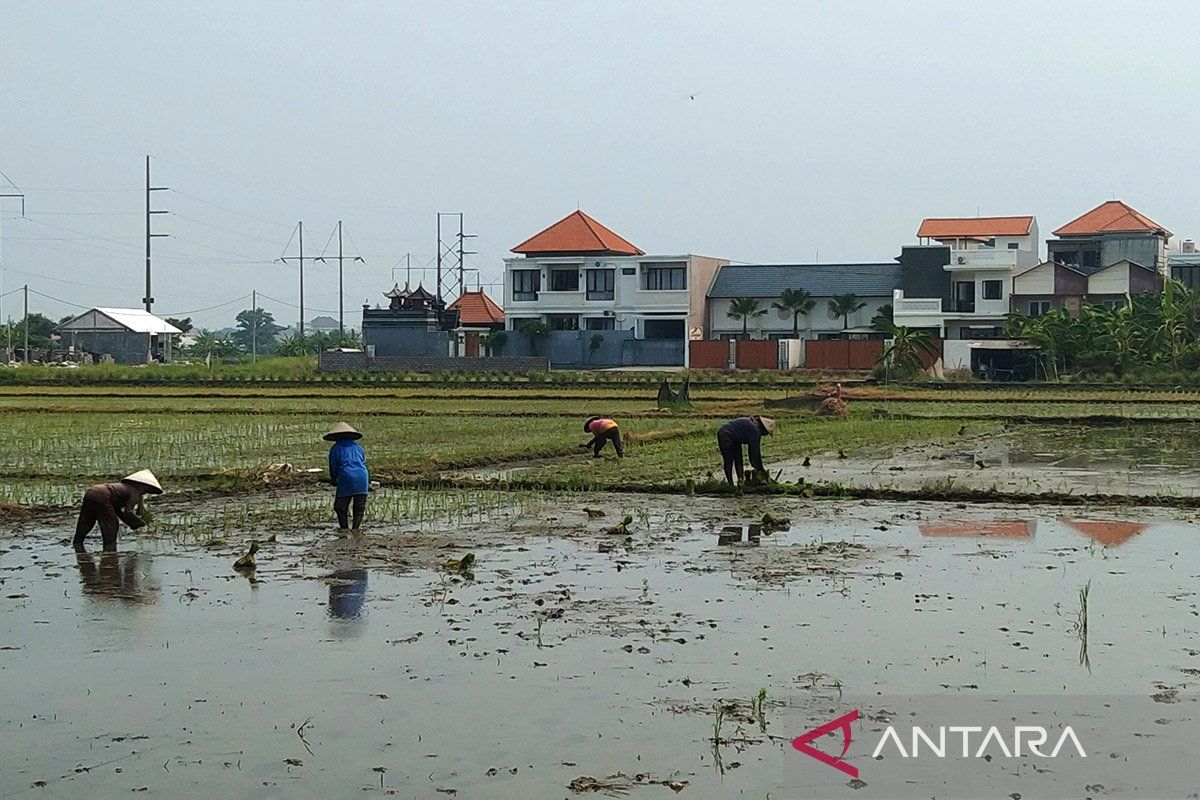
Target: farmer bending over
{"type": "Point", "coordinates": [603, 430]}
{"type": "Point", "coordinates": [746, 431]}
{"type": "Point", "coordinates": [348, 471]}
{"type": "Point", "coordinates": [109, 504]}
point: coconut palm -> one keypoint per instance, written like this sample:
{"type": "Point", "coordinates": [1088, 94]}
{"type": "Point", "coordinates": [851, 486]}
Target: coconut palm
{"type": "Point", "coordinates": [795, 302]}
{"type": "Point", "coordinates": [843, 305]}
{"type": "Point", "coordinates": [745, 308]}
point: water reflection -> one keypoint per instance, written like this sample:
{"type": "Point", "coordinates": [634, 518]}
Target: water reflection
{"type": "Point", "coordinates": [1108, 532]}
{"type": "Point", "coordinates": [992, 528]}
{"type": "Point", "coordinates": [347, 594]}
{"type": "Point", "coordinates": [118, 576]}
{"type": "Point", "coordinates": [740, 534]}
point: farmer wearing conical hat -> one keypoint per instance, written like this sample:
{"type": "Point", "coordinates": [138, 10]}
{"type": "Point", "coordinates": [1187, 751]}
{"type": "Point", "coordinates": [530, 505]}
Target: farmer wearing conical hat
{"type": "Point", "coordinates": [603, 431]}
{"type": "Point", "coordinates": [109, 504]}
{"type": "Point", "coordinates": [348, 471]}
{"type": "Point", "coordinates": [743, 431]}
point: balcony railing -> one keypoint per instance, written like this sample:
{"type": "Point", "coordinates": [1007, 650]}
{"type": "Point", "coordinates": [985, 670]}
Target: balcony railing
{"type": "Point", "coordinates": [917, 305]}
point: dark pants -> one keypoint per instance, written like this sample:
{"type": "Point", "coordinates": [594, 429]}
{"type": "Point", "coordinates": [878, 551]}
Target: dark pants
{"type": "Point", "coordinates": [97, 511]}
{"type": "Point", "coordinates": [341, 507]}
{"type": "Point", "coordinates": [731, 454]}
{"type": "Point", "coordinates": [611, 435]}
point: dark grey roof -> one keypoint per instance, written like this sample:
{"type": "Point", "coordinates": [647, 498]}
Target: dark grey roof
{"type": "Point", "coordinates": [820, 280]}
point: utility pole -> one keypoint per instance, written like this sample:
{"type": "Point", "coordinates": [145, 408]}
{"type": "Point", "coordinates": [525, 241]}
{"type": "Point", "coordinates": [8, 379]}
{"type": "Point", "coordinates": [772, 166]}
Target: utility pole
{"type": "Point", "coordinates": [447, 280]}
{"type": "Point", "coordinates": [3, 320]}
{"type": "Point", "coordinates": [149, 298]}
{"type": "Point", "coordinates": [26, 359]}
{"type": "Point", "coordinates": [462, 237]}
{"type": "Point", "coordinates": [254, 326]}
{"type": "Point", "coordinates": [301, 260]}
{"type": "Point", "coordinates": [341, 291]}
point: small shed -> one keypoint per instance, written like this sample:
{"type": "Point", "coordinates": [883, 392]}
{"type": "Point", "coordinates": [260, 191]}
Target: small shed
{"type": "Point", "coordinates": [478, 315]}
{"type": "Point", "coordinates": [127, 335]}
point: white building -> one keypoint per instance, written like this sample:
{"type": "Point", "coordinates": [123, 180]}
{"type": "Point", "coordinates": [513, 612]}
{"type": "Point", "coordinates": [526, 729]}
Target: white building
{"type": "Point", "coordinates": [971, 299]}
{"type": "Point", "coordinates": [579, 275]}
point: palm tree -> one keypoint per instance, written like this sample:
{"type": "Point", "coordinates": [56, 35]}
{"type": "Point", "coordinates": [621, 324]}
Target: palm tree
{"type": "Point", "coordinates": [744, 308]}
{"type": "Point", "coordinates": [843, 305]}
{"type": "Point", "coordinates": [903, 353]}
{"type": "Point", "coordinates": [795, 302]}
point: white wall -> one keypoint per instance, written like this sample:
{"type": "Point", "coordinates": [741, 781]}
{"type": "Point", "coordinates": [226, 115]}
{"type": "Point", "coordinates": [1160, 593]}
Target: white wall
{"type": "Point", "coordinates": [629, 299]}
{"type": "Point", "coordinates": [1113, 280]}
{"type": "Point", "coordinates": [1039, 280]}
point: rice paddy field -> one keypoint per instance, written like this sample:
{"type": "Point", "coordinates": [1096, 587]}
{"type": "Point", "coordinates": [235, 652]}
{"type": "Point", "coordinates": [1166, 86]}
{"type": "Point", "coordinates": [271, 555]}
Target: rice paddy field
{"type": "Point", "coordinates": [520, 620]}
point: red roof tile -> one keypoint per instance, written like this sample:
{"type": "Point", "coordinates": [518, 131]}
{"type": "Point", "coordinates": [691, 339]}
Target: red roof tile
{"type": "Point", "coordinates": [1111, 217]}
{"type": "Point", "coordinates": [973, 227]}
{"type": "Point", "coordinates": [577, 233]}
{"type": "Point", "coordinates": [476, 308]}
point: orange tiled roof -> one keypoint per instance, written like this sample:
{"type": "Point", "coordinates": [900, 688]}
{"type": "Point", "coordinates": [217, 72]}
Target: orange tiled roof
{"type": "Point", "coordinates": [1003, 528]}
{"type": "Point", "coordinates": [577, 233]}
{"type": "Point", "coordinates": [476, 308]}
{"type": "Point", "coordinates": [1106, 532]}
{"type": "Point", "coordinates": [1111, 217]}
{"type": "Point", "coordinates": [973, 227]}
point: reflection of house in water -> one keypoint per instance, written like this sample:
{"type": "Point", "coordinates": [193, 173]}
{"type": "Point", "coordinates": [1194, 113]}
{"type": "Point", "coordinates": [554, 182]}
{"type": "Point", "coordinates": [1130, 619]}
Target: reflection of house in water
{"type": "Point", "coordinates": [995, 528]}
{"type": "Point", "coordinates": [124, 576]}
{"type": "Point", "coordinates": [1108, 532]}
{"type": "Point", "coordinates": [740, 534]}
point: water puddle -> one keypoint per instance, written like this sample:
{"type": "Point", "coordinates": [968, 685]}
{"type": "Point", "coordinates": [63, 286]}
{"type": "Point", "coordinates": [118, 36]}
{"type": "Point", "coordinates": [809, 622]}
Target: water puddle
{"type": "Point", "coordinates": [1145, 459]}
{"type": "Point", "coordinates": [362, 666]}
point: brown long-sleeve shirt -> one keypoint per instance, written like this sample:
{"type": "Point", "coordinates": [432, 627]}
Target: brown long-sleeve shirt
{"type": "Point", "coordinates": [121, 497]}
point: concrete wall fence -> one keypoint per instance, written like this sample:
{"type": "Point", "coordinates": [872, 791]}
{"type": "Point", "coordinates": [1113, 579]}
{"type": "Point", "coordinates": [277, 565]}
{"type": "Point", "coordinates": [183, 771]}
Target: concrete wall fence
{"type": "Point", "coordinates": [361, 362]}
{"type": "Point", "coordinates": [619, 348]}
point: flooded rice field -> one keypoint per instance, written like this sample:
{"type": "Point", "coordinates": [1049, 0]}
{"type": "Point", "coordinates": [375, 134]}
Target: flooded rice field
{"type": "Point", "coordinates": [596, 646]}
{"type": "Point", "coordinates": [1144, 459]}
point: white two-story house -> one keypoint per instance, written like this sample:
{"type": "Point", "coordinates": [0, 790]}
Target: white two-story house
{"type": "Point", "coordinates": [579, 275]}
{"type": "Point", "coordinates": [959, 282]}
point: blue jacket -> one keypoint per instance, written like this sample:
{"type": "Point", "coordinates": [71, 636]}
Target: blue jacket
{"type": "Point", "coordinates": [348, 468]}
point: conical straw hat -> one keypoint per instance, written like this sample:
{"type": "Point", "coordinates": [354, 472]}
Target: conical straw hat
{"type": "Point", "coordinates": [146, 478]}
{"type": "Point", "coordinates": [768, 425]}
{"type": "Point", "coordinates": [341, 431]}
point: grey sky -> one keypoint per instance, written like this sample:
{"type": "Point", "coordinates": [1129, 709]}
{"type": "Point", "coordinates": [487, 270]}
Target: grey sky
{"type": "Point", "coordinates": [818, 127]}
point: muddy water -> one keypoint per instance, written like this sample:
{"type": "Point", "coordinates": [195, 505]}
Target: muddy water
{"type": "Point", "coordinates": [1135, 460]}
{"type": "Point", "coordinates": [359, 667]}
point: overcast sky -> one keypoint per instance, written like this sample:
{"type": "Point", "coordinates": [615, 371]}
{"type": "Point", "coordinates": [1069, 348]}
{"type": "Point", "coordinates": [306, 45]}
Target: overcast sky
{"type": "Point", "coordinates": [827, 128]}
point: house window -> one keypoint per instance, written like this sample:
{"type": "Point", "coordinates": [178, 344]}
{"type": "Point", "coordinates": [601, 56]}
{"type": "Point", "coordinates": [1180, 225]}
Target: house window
{"type": "Point", "coordinates": [1039, 307]}
{"type": "Point", "coordinates": [1091, 258]}
{"type": "Point", "coordinates": [993, 290]}
{"type": "Point", "coordinates": [628, 270]}
{"type": "Point", "coordinates": [563, 322]}
{"type": "Point", "coordinates": [564, 280]}
{"type": "Point", "coordinates": [964, 297]}
{"type": "Point", "coordinates": [526, 284]}
{"type": "Point", "coordinates": [600, 284]}
{"type": "Point", "coordinates": [666, 277]}
{"type": "Point", "coordinates": [600, 323]}
{"type": "Point", "coordinates": [1013, 245]}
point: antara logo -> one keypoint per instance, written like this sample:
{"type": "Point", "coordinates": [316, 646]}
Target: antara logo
{"type": "Point", "coordinates": [990, 742]}
{"type": "Point", "coordinates": [803, 743]}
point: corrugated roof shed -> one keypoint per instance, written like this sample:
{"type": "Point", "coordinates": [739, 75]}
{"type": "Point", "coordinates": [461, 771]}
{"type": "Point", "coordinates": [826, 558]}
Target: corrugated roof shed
{"type": "Point", "coordinates": [136, 320]}
{"type": "Point", "coordinates": [820, 280]}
